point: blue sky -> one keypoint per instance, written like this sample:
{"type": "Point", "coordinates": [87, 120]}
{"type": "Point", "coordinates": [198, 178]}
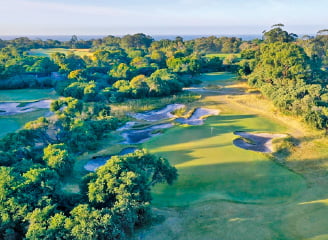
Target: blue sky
{"type": "Point", "coordinates": [91, 17]}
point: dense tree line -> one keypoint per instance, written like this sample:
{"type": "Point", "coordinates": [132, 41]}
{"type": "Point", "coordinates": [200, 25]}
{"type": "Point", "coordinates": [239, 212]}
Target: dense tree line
{"type": "Point", "coordinates": [113, 59]}
{"type": "Point", "coordinates": [292, 72]}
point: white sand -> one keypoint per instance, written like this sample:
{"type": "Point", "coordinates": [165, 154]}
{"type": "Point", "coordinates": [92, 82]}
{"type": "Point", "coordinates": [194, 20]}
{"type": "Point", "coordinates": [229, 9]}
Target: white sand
{"type": "Point", "coordinates": [197, 118]}
{"type": "Point", "coordinates": [13, 108]}
{"type": "Point", "coordinates": [161, 114]}
{"type": "Point", "coordinates": [262, 141]}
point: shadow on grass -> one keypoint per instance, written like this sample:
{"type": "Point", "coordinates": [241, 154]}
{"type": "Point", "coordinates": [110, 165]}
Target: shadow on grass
{"type": "Point", "coordinates": [241, 182]}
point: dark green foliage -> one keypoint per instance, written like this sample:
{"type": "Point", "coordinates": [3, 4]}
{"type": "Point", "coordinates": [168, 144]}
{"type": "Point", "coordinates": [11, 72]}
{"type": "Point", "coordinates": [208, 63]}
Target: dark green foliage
{"type": "Point", "coordinates": [287, 75]}
{"type": "Point", "coordinates": [133, 174]}
{"type": "Point", "coordinates": [68, 63]}
{"type": "Point", "coordinates": [277, 34]}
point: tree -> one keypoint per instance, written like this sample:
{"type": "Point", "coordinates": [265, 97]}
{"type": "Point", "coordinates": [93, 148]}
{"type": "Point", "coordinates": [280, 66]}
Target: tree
{"type": "Point", "coordinates": [88, 223]}
{"type": "Point", "coordinates": [281, 63]}
{"type": "Point", "coordinates": [133, 174]}
{"type": "Point", "coordinates": [68, 63]}
{"type": "Point", "coordinates": [277, 34]}
{"type": "Point", "coordinates": [121, 71]}
{"type": "Point", "coordinates": [43, 66]}
{"type": "Point", "coordinates": [39, 127]}
{"type": "Point", "coordinates": [163, 83]}
{"type": "Point", "coordinates": [90, 92]}
{"type": "Point", "coordinates": [138, 41]}
{"type": "Point", "coordinates": [139, 86]}
{"type": "Point", "coordinates": [109, 58]}
{"type": "Point", "coordinates": [58, 158]}
{"type": "Point", "coordinates": [323, 32]}
{"type": "Point", "coordinates": [73, 41]}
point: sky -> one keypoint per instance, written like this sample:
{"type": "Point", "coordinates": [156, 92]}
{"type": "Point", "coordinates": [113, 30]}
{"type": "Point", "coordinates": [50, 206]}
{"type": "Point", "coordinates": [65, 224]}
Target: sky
{"type": "Point", "coordinates": [159, 17]}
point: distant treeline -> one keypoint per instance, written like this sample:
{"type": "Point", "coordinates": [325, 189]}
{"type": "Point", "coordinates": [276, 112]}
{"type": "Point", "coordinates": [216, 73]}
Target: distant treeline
{"type": "Point", "coordinates": [207, 44]}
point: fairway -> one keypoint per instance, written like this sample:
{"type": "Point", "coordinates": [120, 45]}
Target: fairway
{"type": "Point", "coordinates": [27, 95]}
{"type": "Point", "coordinates": [11, 123]}
{"type": "Point", "coordinates": [14, 122]}
{"type": "Point", "coordinates": [47, 52]}
{"type": "Point", "coordinates": [225, 192]}
{"type": "Point", "coordinates": [211, 167]}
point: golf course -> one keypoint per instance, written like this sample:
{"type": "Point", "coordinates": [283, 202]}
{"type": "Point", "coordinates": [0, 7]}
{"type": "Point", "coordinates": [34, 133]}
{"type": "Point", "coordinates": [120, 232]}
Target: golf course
{"type": "Point", "coordinates": [224, 191]}
{"type": "Point", "coordinates": [17, 102]}
{"type": "Point", "coordinates": [245, 170]}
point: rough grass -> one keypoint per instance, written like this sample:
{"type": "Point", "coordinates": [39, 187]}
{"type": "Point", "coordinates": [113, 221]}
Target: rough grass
{"type": "Point", "coordinates": [147, 104]}
{"type": "Point", "coordinates": [46, 52]}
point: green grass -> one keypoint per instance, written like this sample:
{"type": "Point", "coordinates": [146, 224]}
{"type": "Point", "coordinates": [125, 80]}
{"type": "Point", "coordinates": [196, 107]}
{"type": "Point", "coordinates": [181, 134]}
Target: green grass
{"type": "Point", "coordinates": [224, 192]}
{"type": "Point", "coordinates": [14, 122]}
{"type": "Point", "coordinates": [211, 167]}
{"type": "Point", "coordinates": [48, 51]}
{"type": "Point", "coordinates": [222, 55]}
{"type": "Point", "coordinates": [27, 95]}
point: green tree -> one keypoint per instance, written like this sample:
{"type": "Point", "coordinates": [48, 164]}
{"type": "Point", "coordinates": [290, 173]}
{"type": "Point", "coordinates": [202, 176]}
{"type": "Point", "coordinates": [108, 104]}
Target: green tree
{"type": "Point", "coordinates": [277, 34]}
{"type": "Point", "coordinates": [121, 71]}
{"type": "Point", "coordinates": [58, 158]}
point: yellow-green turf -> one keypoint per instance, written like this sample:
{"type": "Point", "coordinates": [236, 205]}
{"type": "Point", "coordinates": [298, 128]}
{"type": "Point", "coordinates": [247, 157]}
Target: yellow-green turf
{"type": "Point", "coordinates": [46, 52]}
{"type": "Point", "coordinates": [211, 167]}
{"type": "Point", "coordinates": [224, 192]}
{"type": "Point", "coordinates": [222, 55]}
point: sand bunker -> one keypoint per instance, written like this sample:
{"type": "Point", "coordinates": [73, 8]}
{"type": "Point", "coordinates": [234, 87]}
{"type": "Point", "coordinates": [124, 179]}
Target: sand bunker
{"type": "Point", "coordinates": [259, 142]}
{"type": "Point", "coordinates": [97, 162]}
{"type": "Point", "coordinates": [127, 126]}
{"type": "Point", "coordinates": [14, 108]}
{"type": "Point", "coordinates": [157, 115]}
{"type": "Point", "coordinates": [197, 118]}
{"type": "Point", "coordinates": [142, 135]}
